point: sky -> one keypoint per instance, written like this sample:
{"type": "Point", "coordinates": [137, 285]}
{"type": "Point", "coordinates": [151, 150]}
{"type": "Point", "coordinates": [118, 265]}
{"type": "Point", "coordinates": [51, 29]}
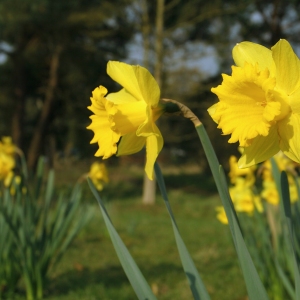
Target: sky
{"type": "Point", "coordinates": [193, 55]}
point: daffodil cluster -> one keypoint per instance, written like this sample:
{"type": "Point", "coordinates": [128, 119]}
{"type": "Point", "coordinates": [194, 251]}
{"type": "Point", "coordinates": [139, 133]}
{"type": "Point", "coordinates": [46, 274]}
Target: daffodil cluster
{"type": "Point", "coordinates": [7, 160]}
{"type": "Point", "coordinates": [241, 191]}
{"type": "Point", "coordinates": [245, 194]}
{"type": "Point", "coordinates": [124, 122]}
{"type": "Point", "coordinates": [269, 191]}
{"type": "Point", "coordinates": [259, 104]}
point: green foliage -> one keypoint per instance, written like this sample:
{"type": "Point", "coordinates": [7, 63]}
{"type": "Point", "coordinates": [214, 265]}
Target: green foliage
{"type": "Point", "coordinates": [254, 285]}
{"type": "Point", "coordinates": [253, 282]}
{"type": "Point", "coordinates": [137, 280]}
{"type": "Point", "coordinates": [9, 271]}
{"type": "Point", "coordinates": [92, 270]}
{"type": "Point", "coordinates": [258, 287]}
{"type": "Point", "coordinates": [271, 251]}
{"type": "Point", "coordinates": [275, 252]}
{"type": "Point", "coordinates": [39, 226]}
{"type": "Point", "coordinates": [273, 239]}
{"type": "Point", "coordinates": [196, 285]}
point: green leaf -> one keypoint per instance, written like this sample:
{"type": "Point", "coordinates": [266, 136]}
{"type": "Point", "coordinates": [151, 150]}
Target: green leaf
{"type": "Point", "coordinates": [42, 232]}
{"type": "Point", "coordinates": [288, 217]}
{"type": "Point", "coordinates": [49, 188]}
{"type": "Point", "coordinates": [136, 278]}
{"type": "Point", "coordinates": [196, 285]}
{"type": "Point", "coordinates": [284, 279]}
{"type": "Point", "coordinates": [253, 282]}
{"type": "Point", "coordinates": [39, 176]}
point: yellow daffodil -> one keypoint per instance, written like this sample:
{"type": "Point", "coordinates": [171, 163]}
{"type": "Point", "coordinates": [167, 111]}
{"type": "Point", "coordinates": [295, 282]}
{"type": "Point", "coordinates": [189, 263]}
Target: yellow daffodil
{"type": "Point", "coordinates": [269, 191]}
{"type": "Point", "coordinates": [221, 215]}
{"type": "Point", "coordinates": [260, 103]}
{"type": "Point", "coordinates": [258, 204]}
{"type": "Point", "coordinates": [285, 164]}
{"type": "Point", "coordinates": [98, 175]}
{"type": "Point", "coordinates": [236, 172]}
{"type": "Point", "coordinates": [243, 197]}
{"type": "Point", "coordinates": [7, 146]}
{"type": "Point", "coordinates": [7, 163]}
{"type": "Point", "coordinates": [129, 114]}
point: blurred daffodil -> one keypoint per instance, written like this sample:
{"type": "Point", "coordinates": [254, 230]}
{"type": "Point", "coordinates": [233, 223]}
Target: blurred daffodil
{"type": "Point", "coordinates": [98, 174]}
{"type": "Point", "coordinates": [7, 146]}
{"type": "Point", "coordinates": [236, 172]}
{"type": "Point", "coordinates": [221, 215]}
{"type": "Point", "coordinates": [128, 116]}
{"type": "Point", "coordinates": [7, 160]}
{"type": "Point", "coordinates": [269, 192]}
{"type": "Point", "coordinates": [243, 198]}
{"type": "Point", "coordinates": [259, 105]}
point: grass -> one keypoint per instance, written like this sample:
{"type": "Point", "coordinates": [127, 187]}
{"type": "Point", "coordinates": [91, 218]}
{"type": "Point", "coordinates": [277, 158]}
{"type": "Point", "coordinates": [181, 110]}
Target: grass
{"type": "Point", "coordinates": [91, 270]}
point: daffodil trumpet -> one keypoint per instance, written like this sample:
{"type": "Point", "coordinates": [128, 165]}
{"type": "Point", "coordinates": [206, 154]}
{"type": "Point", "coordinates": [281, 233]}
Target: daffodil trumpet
{"type": "Point", "coordinates": [259, 104]}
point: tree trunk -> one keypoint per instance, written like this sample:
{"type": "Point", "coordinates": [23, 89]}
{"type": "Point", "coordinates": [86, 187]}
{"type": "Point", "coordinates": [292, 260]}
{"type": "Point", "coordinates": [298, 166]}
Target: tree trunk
{"type": "Point", "coordinates": [149, 188]}
{"type": "Point", "coordinates": [35, 144]}
{"type": "Point", "coordinates": [19, 100]}
{"type": "Point", "coordinates": [159, 41]}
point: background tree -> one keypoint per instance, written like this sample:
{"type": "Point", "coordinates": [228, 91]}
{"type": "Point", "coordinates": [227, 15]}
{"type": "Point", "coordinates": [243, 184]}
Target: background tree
{"type": "Point", "coordinates": [56, 55]}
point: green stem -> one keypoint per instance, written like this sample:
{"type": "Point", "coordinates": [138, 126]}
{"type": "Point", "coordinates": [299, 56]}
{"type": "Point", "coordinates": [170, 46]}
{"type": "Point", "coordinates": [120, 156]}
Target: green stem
{"type": "Point", "coordinates": [254, 286]}
{"type": "Point", "coordinates": [29, 288]}
{"type": "Point", "coordinates": [39, 284]}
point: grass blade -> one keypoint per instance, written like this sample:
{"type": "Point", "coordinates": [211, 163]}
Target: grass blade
{"type": "Point", "coordinates": [136, 278]}
{"type": "Point", "coordinates": [196, 285]}
{"type": "Point", "coordinates": [284, 279]}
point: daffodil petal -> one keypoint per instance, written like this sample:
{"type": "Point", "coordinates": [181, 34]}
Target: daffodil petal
{"type": "Point", "coordinates": [130, 116]}
{"type": "Point", "coordinates": [130, 143]}
{"type": "Point", "coordinates": [262, 148]}
{"type": "Point", "coordinates": [254, 54]}
{"type": "Point", "coordinates": [287, 67]}
{"type": "Point", "coordinates": [97, 106]}
{"type": "Point", "coordinates": [243, 110]}
{"type": "Point", "coordinates": [289, 133]}
{"type": "Point", "coordinates": [294, 100]}
{"type": "Point", "coordinates": [136, 80]}
{"type": "Point", "coordinates": [121, 97]}
{"type": "Point", "coordinates": [154, 144]}
{"type": "Point", "coordinates": [104, 136]}
{"type": "Point", "coordinates": [211, 111]}
{"type": "Point", "coordinates": [148, 127]}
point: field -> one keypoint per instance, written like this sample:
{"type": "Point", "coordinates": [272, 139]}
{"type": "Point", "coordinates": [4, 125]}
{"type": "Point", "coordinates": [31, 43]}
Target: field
{"type": "Point", "coordinates": [90, 269]}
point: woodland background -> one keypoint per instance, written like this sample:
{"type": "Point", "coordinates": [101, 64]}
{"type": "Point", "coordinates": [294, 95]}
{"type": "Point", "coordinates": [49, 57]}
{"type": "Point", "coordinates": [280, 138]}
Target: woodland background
{"type": "Point", "coordinates": [53, 53]}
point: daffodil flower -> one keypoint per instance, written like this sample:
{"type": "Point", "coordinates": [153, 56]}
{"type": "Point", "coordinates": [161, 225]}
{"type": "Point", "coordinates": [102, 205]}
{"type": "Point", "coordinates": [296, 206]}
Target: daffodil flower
{"type": "Point", "coordinates": [269, 191]}
{"type": "Point", "coordinates": [260, 103]}
{"type": "Point", "coordinates": [98, 174]}
{"type": "Point", "coordinates": [221, 215]}
{"type": "Point", "coordinates": [236, 172]}
{"type": "Point", "coordinates": [124, 122]}
{"type": "Point", "coordinates": [243, 198]}
{"type": "Point", "coordinates": [7, 160]}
